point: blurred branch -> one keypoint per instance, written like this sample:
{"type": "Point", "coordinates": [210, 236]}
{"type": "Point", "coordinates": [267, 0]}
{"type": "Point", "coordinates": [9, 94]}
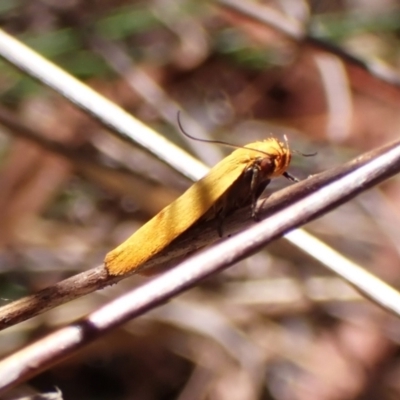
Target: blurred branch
{"type": "Point", "coordinates": [10, 121]}
{"type": "Point", "coordinates": [310, 199]}
{"type": "Point", "coordinates": [295, 31]}
{"type": "Point", "coordinates": [289, 293]}
{"type": "Point", "coordinates": [268, 16]}
{"type": "Point", "coordinates": [118, 180]}
{"type": "Point", "coordinates": [339, 99]}
{"type": "Point", "coordinates": [108, 113]}
{"type": "Point", "coordinates": [213, 323]}
{"type": "Point", "coordinates": [297, 205]}
{"type": "Point", "coordinates": [137, 79]}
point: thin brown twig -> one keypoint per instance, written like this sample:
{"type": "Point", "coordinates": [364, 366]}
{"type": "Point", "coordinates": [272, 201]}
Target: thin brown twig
{"type": "Point", "coordinates": [197, 237]}
{"type": "Point", "coordinates": [313, 198]}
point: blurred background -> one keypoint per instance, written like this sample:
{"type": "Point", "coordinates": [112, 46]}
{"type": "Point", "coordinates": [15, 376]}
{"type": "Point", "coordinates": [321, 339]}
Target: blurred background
{"type": "Point", "coordinates": [276, 326]}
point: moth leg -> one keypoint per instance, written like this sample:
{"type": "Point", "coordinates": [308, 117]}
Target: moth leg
{"type": "Point", "coordinates": [220, 216]}
{"type": "Point", "coordinates": [220, 223]}
{"type": "Point", "coordinates": [290, 177]}
{"type": "Point", "coordinates": [255, 176]}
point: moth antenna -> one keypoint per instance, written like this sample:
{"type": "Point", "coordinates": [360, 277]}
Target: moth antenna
{"type": "Point", "coordinates": [297, 151]}
{"type": "Point", "coordinates": [221, 142]}
{"type": "Point", "coordinates": [178, 117]}
{"type": "Point", "coordinates": [213, 141]}
{"type": "Point", "coordinates": [305, 154]}
{"type": "Point", "coordinates": [201, 140]}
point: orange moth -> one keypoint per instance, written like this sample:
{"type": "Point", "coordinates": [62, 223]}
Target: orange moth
{"type": "Point", "coordinates": [236, 181]}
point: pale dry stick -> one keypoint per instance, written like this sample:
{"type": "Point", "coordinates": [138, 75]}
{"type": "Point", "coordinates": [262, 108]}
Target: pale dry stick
{"type": "Point", "coordinates": [358, 277]}
{"type": "Point", "coordinates": [195, 238]}
{"type": "Point", "coordinates": [296, 31]}
{"type": "Point", "coordinates": [50, 350]}
{"type": "Point", "coordinates": [104, 110]}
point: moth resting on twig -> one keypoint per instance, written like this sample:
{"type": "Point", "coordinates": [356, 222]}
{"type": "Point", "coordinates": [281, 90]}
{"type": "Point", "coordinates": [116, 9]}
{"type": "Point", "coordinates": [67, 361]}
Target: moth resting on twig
{"type": "Point", "coordinates": [236, 181]}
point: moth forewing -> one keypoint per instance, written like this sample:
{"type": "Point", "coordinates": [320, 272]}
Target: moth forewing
{"type": "Point", "coordinates": [236, 181]}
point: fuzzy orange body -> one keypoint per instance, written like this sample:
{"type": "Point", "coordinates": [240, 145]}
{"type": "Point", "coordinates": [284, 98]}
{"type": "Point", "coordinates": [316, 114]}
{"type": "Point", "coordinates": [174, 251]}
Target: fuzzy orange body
{"type": "Point", "coordinates": [248, 170]}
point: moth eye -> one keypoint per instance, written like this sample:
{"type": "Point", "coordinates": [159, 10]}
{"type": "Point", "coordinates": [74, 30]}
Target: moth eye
{"type": "Point", "coordinates": [267, 162]}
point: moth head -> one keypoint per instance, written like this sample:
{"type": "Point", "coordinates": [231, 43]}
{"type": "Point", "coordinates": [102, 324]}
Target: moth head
{"type": "Point", "coordinates": [280, 156]}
